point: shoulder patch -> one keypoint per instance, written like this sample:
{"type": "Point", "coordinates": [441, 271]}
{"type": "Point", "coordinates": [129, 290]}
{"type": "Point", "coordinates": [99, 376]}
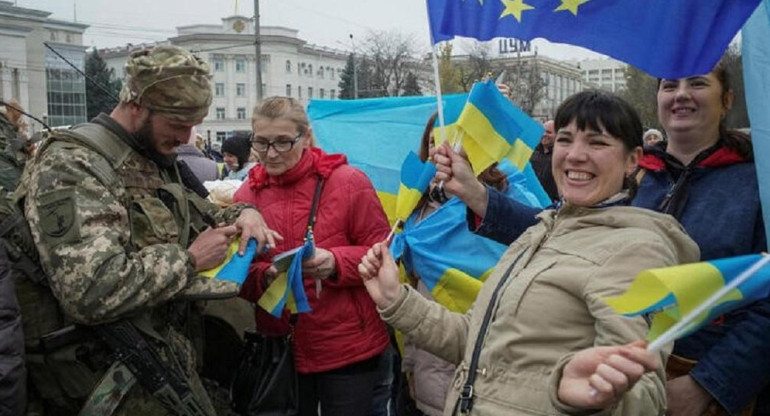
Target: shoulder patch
{"type": "Point", "coordinates": [56, 210]}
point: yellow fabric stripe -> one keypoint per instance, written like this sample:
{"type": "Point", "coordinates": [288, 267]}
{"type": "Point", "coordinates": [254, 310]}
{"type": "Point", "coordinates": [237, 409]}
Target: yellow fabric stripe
{"type": "Point", "coordinates": [406, 201]}
{"type": "Point", "coordinates": [456, 290]}
{"type": "Point", "coordinates": [483, 144]}
{"type": "Point", "coordinates": [274, 292]}
{"type": "Point", "coordinates": [691, 284]}
{"type": "Point", "coordinates": [520, 154]}
{"type": "Point", "coordinates": [231, 250]}
{"type": "Point", "coordinates": [388, 201]}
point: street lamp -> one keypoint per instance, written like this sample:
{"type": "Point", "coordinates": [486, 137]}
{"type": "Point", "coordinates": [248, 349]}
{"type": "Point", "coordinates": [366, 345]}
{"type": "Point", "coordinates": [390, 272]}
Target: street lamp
{"type": "Point", "coordinates": [355, 69]}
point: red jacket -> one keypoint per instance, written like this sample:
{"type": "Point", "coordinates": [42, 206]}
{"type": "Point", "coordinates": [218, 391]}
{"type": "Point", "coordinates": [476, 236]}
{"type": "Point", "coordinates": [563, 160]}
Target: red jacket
{"type": "Point", "coordinates": [344, 326]}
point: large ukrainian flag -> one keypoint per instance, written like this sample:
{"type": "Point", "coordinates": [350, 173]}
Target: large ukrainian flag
{"type": "Point", "coordinates": [673, 292]}
{"type": "Point", "coordinates": [450, 260]}
{"type": "Point", "coordinates": [376, 134]}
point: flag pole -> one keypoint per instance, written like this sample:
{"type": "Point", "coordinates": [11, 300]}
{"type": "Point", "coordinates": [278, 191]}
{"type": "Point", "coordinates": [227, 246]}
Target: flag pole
{"type": "Point", "coordinates": [675, 331]}
{"type": "Point", "coordinates": [392, 231]}
{"type": "Point", "coordinates": [436, 80]}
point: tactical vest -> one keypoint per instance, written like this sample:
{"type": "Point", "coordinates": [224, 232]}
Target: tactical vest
{"type": "Point", "coordinates": [64, 365]}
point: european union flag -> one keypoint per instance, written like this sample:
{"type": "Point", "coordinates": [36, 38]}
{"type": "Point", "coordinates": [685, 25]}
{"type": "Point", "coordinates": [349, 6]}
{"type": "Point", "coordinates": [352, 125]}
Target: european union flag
{"type": "Point", "coordinates": [235, 267]}
{"type": "Point", "coordinates": [673, 292]}
{"type": "Point", "coordinates": [666, 38]}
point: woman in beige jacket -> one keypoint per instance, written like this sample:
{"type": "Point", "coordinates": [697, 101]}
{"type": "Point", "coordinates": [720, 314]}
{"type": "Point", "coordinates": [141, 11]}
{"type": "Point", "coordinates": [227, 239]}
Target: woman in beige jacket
{"type": "Point", "coordinates": [540, 340]}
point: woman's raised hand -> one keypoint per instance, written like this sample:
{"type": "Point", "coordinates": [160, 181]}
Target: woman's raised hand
{"type": "Point", "coordinates": [598, 377]}
{"type": "Point", "coordinates": [380, 274]}
{"type": "Point", "coordinates": [457, 175]}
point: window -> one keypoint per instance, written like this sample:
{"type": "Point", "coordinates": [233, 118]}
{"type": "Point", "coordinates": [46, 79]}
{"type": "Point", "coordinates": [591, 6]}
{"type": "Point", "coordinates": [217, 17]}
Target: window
{"type": "Point", "coordinates": [310, 70]}
{"type": "Point", "coordinates": [240, 90]}
{"type": "Point", "coordinates": [219, 64]}
{"type": "Point", "coordinates": [240, 65]}
{"type": "Point", "coordinates": [322, 93]}
{"type": "Point", "coordinates": [221, 135]}
{"type": "Point", "coordinates": [219, 89]}
{"type": "Point", "coordinates": [220, 113]}
{"type": "Point", "coordinates": [265, 63]}
{"type": "Point", "coordinates": [299, 92]}
{"type": "Point", "coordinates": [69, 37]}
{"type": "Point", "coordinates": [332, 94]}
{"type": "Point", "coordinates": [309, 92]}
{"type": "Point", "coordinates": [330, 71]}
{"type": "Point", "coordinates": [288, 90]}
{"type": "Point", "coordinates": [321, 72]}
{"type": "Point", "coordinates": [288, 66]}
{"type": "Point", "coordinates": [241, 113]}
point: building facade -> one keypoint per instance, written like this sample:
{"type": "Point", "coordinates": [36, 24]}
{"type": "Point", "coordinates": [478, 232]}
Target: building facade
{"type": "Point", "coordinates": [289, 66]}
{"type": "Point", "coordinates": [607, 74]}
{"type": "Point", "coordinates": [538, 83]}
{"type": "Point", "coordinates": [45, 85]}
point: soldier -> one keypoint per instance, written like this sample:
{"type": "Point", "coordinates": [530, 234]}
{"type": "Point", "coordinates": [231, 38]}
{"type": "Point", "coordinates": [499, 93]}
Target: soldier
{"type": "Point", "coordinates": [121, 238]}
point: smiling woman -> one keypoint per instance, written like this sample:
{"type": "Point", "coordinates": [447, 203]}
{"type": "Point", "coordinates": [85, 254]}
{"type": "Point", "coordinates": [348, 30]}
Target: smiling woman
{"type": "Point", "coordinates": [598, 146]}
{"type": "Point", "coordinates": [539, 340]}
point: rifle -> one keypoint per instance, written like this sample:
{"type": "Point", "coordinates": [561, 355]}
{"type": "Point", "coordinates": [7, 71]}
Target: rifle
{"type": "Point", "coordinates": [165, 383]}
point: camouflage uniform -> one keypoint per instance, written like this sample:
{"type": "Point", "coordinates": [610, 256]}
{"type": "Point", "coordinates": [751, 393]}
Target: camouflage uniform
{"type": "Point", "coordinates": [11, 157]}
{"type": "Point", "coordinates": [113, 247]}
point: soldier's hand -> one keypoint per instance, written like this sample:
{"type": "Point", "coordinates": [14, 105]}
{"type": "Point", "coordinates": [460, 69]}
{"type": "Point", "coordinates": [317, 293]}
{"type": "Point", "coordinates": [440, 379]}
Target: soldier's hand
{"type": "Point", "coordinates": [250, 224]}
{"type": "Point", "coordinates": [210, 248]}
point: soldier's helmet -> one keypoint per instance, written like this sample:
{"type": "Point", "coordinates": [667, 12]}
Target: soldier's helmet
{"type": "Point", "coordinates": [168, 80]}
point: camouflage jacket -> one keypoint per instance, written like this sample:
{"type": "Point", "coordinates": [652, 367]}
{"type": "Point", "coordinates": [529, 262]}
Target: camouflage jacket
{"type": "Point", "coordinates": [112, 233]}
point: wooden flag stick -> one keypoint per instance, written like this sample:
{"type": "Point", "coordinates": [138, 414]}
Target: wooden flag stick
{"type": "Point", "coordinates": [392, 231]}
{"type": "Point", "coordinates": [677, 329]}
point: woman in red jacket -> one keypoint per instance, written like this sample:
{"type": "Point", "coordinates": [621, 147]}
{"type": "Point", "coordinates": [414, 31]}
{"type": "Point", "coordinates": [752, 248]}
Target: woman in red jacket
{"type": "Point", "coordinates": [337, 346]}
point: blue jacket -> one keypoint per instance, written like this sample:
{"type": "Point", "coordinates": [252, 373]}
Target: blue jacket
{"type": "Point", "coordinates": [717, 202]}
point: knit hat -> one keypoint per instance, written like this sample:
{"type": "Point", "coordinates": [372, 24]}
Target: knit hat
{"type": "Point", "coordinates": [651, 132]}
{"type": "Point", "coordinates": [168, 80]}
{"type": "Point", "coordinates": [239, 146]}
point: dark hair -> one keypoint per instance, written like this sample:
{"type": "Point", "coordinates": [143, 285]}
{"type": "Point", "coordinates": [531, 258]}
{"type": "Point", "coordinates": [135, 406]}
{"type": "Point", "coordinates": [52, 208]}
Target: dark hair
{"type": "Point", "coordinates": [239, 145]}
{"type": "Point", "coordinates": [597, 109]}
{"type": "Point", "coordinates": [491, 176]}
{"type": "Point", "coordinates": [601, 110]}
{"type": "Point", "coordinates": [732, 139]}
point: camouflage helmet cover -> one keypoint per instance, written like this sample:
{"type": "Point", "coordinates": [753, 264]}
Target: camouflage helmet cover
{"type": "Point", "coordinates": [169, 80]}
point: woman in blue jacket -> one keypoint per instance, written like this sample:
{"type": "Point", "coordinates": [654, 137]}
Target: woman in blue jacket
{"type": "Point", "coordinates": [705, 177]}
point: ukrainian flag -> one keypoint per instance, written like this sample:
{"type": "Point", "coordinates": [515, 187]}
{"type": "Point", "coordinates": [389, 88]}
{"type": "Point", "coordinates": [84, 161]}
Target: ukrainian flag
{"type": "Point", "coordinates": [376, 134]}
{"type": "Point", "coordinates": [673, 292]}
{"type": "Point", "coordinates": [235, 268]}
{"type": "Point", "coordinates": [415, 178]}
{"type": "Point", "coordinates": [288, 290]}
{"type": "Point", "coordinates": [491, 128]}
{"type": "Point", "coordinates": [452, 261]}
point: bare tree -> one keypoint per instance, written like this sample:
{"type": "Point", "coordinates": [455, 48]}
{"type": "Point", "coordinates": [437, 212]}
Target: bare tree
{"type": "Point", "coordinates": [478, 66]}
{"type": "Point", "coordinates": [641, 92]}
{"type": "Point", "coordinates": [449, 72]}
{"type": "Point", "coordinates": [391, 53]}
{"type": "Point", "coordinates": [527, 85]}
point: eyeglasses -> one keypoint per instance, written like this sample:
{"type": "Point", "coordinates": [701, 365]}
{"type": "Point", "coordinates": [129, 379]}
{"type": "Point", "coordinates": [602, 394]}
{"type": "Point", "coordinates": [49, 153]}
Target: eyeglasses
{"type": "Point", "coordinates": [281, 144]}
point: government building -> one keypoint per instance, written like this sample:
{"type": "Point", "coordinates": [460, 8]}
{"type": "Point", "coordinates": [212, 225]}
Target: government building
{"type": "Point", "coordinates": [290, 66]}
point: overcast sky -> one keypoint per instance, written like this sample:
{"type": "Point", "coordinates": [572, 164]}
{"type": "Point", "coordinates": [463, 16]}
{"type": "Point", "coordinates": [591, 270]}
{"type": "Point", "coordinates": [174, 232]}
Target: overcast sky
{"type": "Point", "coordinates": [326, 23]}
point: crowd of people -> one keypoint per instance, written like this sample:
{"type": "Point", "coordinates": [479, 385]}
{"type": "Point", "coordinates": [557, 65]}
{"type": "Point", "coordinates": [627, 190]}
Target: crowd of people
{"type": "Point", "coordinates": [121, 229]}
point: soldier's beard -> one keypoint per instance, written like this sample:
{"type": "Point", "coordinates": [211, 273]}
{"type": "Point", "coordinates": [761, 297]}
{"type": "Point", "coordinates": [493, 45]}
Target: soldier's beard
{"type": "Point", "coordinates": [144, 137]}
